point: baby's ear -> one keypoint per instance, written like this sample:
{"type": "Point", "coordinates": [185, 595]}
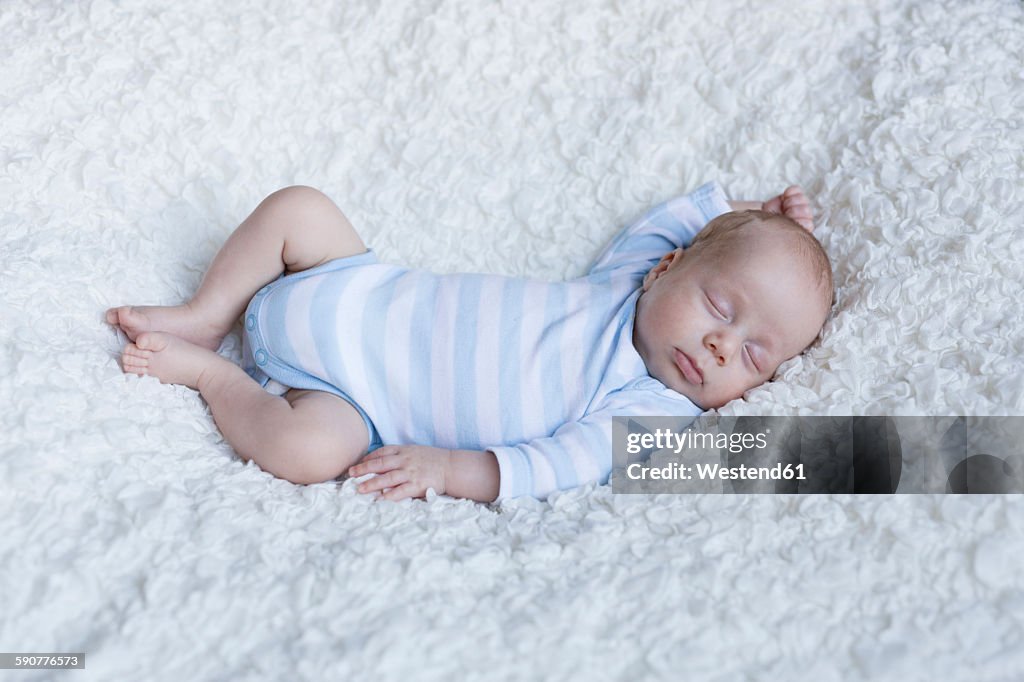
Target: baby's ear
{"type": "Point", "coordinates": [662, 266]}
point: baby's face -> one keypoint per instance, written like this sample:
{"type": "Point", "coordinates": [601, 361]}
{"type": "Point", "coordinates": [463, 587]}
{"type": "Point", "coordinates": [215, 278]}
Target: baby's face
{"type": "Point", "coordinates": [711, 326]}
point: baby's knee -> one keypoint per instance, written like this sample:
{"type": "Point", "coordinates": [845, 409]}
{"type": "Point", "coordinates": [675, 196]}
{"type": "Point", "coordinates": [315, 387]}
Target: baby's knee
{"type": "Point", "coordinates": [306, 457]}
{"type": "Point", "coordinates": [299, 194]}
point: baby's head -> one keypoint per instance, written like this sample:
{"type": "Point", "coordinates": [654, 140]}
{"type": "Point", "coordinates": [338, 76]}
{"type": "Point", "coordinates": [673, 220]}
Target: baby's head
{"type": "Point", "coordinates": [717, 319]}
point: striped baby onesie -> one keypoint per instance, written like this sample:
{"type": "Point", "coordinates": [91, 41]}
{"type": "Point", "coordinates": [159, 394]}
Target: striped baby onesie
{"type": "Point", "coordinates": [531, 370]}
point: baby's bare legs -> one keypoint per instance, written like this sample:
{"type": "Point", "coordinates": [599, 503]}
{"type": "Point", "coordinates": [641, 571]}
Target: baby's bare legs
{"type": "Point", "coordinates": [291, 230]}
{"type": "Point", "coordinates": [304, 436]}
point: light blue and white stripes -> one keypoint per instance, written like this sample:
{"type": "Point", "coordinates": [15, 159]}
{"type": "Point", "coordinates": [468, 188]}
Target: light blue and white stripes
{"type": "Point", "coordinates": [665, 227]}
{"type": "Point", "coordinates": [530, 370]}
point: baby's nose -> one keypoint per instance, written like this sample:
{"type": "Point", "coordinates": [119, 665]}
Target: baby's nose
{"type": "Point", "coordinates": [721, 348]}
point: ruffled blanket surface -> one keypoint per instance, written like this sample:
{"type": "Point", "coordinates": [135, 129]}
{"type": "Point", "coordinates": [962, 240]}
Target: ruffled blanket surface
{"type": "Point", "coordinates": [513, 138]}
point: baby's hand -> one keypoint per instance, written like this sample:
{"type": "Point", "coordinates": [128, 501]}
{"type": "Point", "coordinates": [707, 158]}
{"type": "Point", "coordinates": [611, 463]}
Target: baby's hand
{"type": "Point", "coordinates": [794, 205]}
{"type": "Point", "coordinates": [408, 470]}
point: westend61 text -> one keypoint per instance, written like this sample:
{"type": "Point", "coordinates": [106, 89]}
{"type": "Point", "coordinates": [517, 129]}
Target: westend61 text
{"type": "Point", "coordinates": [682, 472]}
{"type": "Point", "coordinates": [665, 439]}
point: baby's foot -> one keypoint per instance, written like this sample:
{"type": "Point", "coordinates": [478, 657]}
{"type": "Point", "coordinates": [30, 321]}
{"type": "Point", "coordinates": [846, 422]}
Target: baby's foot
{"type": "Point", "coordinates": [794, 205]}
{"type": "Point", "coordinates": [180, 320]}
{"type": "Point", "coordinates": [168, 358]}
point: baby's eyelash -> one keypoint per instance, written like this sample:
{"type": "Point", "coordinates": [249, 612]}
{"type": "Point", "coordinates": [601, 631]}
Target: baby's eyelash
{"type": "Point", "coordinates": [752, 360]}
{"type": "Point", "coordinates": [716, 308]}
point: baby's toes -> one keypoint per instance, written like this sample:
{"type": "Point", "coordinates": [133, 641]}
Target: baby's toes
{"type": "Point", "coordinates": [134, 361]}
{"type": "Point", "coordinates": [139, 370]}
{"type": "Point", "coordinates": [124, 315]}
{"type": "Point", "coordinates": [124, 318]}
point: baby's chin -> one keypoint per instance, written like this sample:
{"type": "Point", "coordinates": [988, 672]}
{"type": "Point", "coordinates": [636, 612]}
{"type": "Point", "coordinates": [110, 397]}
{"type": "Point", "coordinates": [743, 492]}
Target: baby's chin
{"type": "Point", "coordinates": [709, 403]}
{"type": "Point", "coordinates": [693, 396]}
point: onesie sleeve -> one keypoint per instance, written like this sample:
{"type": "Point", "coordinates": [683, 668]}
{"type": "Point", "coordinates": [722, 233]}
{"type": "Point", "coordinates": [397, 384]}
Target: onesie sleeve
{"type": "Point", "coordinates": [580, 452]}
{"type": "Point", "coordinates": [577, 453]}
{"type": "Point", "coordinates": [665, 227]}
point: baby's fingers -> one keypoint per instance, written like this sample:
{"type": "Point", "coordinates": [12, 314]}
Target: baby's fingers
{"type": "Point", "coordinates": [793, 191]}
{"type": "Point", "coordinates": [403, 491]}
{"type": "Point", "coordinates": [381, 459]}
{"type": "Point", "coordinates": [773, 205]}
{"type": "Point", "coordinates": [802, 215]}
{"type": "Point", "coordinates": [388, 480]}
{"type": "Point", "coordinates": [795, 201]}
{"type": "Point", "coordinates": [798, 210]}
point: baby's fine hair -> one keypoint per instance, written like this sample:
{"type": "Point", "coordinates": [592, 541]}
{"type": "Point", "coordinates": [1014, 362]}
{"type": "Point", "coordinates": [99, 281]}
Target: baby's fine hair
{"type": "Point", "coordinates": [728, 227]}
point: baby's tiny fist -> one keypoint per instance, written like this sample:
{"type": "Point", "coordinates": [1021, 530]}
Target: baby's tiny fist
{"type": "Point", "coordinates": [773, 205]}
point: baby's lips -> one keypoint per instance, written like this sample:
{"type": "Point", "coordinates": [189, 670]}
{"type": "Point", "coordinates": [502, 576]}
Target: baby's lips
{"type": "Point", "coordinates": [689, 368]}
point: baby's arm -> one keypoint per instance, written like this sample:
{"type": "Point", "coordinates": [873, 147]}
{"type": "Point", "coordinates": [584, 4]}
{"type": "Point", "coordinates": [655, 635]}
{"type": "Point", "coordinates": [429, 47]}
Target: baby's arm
{"type": "Point", "coordinates": [473, 475]}
{"type": "Point", "coordinates": [746, 205]}
{"type": "Point", "coordinates": [573, 455]}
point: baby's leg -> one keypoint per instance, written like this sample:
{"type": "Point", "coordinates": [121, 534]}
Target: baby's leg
{"type": "Point", "coordinates": [303, 437]}
{"type": "Point", "coordinates": [293, 229]}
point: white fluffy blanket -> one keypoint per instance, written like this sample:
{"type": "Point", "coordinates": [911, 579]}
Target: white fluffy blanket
{"type": "Point", "coordinates": [511, 137]}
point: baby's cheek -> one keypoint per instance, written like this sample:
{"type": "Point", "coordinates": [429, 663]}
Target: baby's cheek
{"type": "Point", "coordinates": [732, 389]}
{"type": "Point", "coordinates": [758, 381]}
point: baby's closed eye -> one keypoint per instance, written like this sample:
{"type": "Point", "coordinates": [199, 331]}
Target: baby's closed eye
{"type": "Point", "coordinates": [752, 355]}
{"type": "Point", "coordinates": [718, 308]}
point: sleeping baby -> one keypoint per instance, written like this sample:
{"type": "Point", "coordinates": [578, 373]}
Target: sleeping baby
{"type": "Point", "coordinates": [481, 386]}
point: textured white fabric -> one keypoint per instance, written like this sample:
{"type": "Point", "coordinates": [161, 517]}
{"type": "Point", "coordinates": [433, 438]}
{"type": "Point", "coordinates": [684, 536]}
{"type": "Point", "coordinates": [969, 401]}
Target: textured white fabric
{"type": "Point", "coordinates": [513, 138]}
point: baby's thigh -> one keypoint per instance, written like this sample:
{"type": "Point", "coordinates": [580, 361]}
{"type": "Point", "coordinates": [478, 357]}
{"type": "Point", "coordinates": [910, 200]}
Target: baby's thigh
{"type": "Point", "coordinates": [330, 433]}
{"type": "Point", "coordinates": [316, 231]}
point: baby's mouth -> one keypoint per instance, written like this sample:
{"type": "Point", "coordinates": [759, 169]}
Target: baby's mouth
{"type": "Point", "coordinates": [691, 372]}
